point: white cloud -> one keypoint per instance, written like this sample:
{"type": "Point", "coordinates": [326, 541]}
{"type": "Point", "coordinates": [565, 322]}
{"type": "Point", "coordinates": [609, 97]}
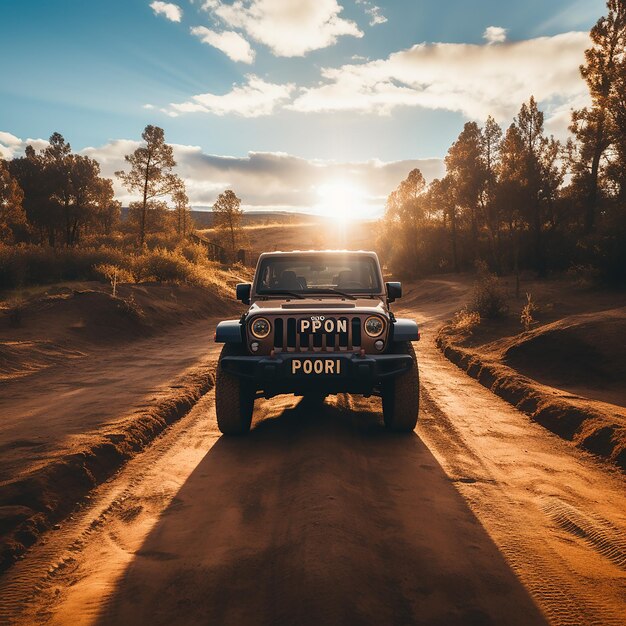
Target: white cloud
{"type": "Point", "coordinates": [148, 106]}
{"type": "Point", "coordinates": [232, 44]}
{"type": "Point", "coordinates": [171, 11]}
{"type": "Point", "coordinates": [12, 146]}
{"type": "Point", "coordinates": [287, 27]}
{"type": "Point", "coordinates": [269, 179]}
{"type": "Point", "coordinates": [495, 34]}
{"type": "Point", "coordinates": [476, 80]}
{"type": "Point", "coordinates": [255, 98]}
{"type": "Point", "coordinates": [373, 11]}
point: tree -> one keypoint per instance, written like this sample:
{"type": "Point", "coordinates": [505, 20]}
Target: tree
{"type": "Point", "coordinates": [491, 138]}
{"type": "Point", "coordinates": [593, 126]}
{"type": "Point", "coordinates": [107, 209]}
{"type": "Point", "coordinates": [227, 218]}
{"type": "Point", "coordinates": [405, 217]}
{"type": "Point", "coordinates": [441, 194]}
{"type": "Point", "coordinates": [38, 182]}
{"type": "Point", "coordinates": [12, 214]}
{"type": "Point", "coordinates": [75, 185]}
{"type": "Point", "coordinates": [85, 187]}
{"type": "Point", "coordinates": [466, 170]}
{"type": "Point", "coordinates": [150, 174]}
{"type": "Point", "coordinates": [182, 212]}
{"type": "Point", "coordinates": [510, 190]}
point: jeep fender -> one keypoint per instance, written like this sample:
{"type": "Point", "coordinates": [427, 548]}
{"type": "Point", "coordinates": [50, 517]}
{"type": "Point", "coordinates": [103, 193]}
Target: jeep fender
{"type": "Point", "coordinates": [404, 330]}
{"type": "Point", "coordinates": [229, 331]}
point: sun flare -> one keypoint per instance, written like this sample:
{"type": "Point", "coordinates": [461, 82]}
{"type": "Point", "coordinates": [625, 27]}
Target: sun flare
{"type": "Point", "coordinates": [340, 200]}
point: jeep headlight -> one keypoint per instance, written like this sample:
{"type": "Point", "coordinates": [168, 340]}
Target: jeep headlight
{"type": "Point", "coordinates": [374, 326]}
{"type": "Point", "coordinates": [260, 327]}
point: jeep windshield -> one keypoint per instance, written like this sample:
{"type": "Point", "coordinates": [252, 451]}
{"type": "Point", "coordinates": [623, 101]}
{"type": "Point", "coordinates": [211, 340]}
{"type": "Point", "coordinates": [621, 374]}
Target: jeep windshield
{"type": "Point", "coordinates": [318, 275]}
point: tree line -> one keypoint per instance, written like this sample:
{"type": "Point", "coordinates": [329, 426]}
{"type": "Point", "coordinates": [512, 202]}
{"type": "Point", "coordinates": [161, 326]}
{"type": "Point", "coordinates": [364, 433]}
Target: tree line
{"type": "Point", "coordinates": [519, 199]}
{"type": "Point", "coordinates": [56, 197]}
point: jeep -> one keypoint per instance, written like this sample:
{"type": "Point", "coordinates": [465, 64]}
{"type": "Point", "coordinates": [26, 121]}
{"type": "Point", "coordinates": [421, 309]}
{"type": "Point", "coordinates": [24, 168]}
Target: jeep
{"type": "Point", "coordinates": [318, 323]}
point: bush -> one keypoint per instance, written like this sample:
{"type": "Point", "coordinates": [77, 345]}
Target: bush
{"type": "Point", "coordinates": [162, 265]}
{"type": "Point", "coordinates": [488, 296]}
{"type": "Point", "coordinates": [194, 253]}
{"type": "Point", "coordinates": [39, 265]}
{"type": "Point", "coordinates": [114, 273]}
{"type": "Point", "coordinates": [526, 316]}
{"type": "Point", "coordinates": [466, 321]}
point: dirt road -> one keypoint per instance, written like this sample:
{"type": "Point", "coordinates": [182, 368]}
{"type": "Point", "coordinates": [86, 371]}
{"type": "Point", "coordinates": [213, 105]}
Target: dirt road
{"type": "Point", "coordinates": [321, 517]}
{"type": "Point", "coordinates": [51, 412]}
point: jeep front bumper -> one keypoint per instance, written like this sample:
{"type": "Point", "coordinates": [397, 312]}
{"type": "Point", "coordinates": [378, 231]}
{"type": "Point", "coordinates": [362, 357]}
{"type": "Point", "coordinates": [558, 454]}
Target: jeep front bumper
{"type": "Point", "coordinates": [356, 373]}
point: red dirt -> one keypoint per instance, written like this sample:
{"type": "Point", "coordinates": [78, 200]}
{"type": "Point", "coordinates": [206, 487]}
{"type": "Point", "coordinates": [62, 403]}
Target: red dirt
{"type": "Point", "coordinates": [70, 323]}
{"type": "Point", "coordinates": [568, 374]}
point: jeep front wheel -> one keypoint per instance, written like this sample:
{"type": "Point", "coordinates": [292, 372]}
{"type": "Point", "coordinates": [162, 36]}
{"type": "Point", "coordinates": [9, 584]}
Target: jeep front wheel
{"type": "Point", "coordinates": [234, 399]}
{"type": "Point", "coordinates": [401, 396]}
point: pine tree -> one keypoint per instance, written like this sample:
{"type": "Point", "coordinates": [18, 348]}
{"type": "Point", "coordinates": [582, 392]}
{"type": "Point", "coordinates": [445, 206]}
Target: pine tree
{"type": "Point", "coordinates": [150, 174]}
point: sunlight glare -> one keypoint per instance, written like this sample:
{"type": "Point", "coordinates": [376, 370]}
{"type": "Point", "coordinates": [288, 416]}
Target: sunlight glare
{"type": "Point", "coordinates": [340, 201]}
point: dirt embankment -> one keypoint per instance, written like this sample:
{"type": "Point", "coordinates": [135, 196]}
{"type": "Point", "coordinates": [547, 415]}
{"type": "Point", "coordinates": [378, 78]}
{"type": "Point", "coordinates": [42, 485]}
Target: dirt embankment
{"type": "Point", "coordinates": [33, 502]}
{"type": "Point", "coordinates": [53, 346]}
{"type": "Point", "coordinates": [70, 322]}
{"type": "Point", "coordinates": [568, 375]}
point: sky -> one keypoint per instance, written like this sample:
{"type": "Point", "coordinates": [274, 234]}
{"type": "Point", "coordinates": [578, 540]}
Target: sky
{"type": "Point", "coordinates": [309, 105]}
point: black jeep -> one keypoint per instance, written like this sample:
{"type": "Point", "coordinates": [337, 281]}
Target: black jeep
{"type": "Point", "coordinates": [318, 323]}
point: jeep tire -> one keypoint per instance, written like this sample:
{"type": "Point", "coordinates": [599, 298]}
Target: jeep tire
{"type": "Point", "coordinates": [234, 399]}
{"type": "Point", "coordinates": [401, 395]}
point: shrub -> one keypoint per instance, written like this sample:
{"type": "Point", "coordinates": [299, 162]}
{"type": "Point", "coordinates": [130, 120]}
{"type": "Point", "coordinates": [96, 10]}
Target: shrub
{"type": "Point", "coordinates": [39, 265]}
{"type": "Point", "coordinates": [114, 274]}
{"type": "Point", "coordinates": [488, 296]}
{"type": "Point", "coordinates": [163, 265]}
{"type": "Point", "coordinates": [466, 321]}
{"type": "Point", "coordinates": [194, 253]}
{"type": "Point", "coordinates": [526, 317]}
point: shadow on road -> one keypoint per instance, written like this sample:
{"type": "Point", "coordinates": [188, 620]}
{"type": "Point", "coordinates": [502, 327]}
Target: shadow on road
{"type": "Point", "coordinates": [319, 517]}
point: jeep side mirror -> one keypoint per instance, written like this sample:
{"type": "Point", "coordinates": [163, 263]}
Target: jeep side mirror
{"type": "Point", "coordinates": [243, 292]}
{"type": "Point", "coordinates": [394, 291]}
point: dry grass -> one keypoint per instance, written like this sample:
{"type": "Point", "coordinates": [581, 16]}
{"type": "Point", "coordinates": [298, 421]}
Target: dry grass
{"type": "Point", "coordinates": [26, 266]}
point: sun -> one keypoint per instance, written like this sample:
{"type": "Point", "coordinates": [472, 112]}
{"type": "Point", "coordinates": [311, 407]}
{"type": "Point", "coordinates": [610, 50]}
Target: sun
{"type": "Point", "coordinates": [340, 200]}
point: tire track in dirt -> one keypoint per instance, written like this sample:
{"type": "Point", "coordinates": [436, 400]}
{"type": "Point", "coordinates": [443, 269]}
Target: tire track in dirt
{"type": "Point", "coordinates": [30, 591]}
{"type": "Point", "coordinates": [573, 585]}
{"type": "Point", "coordinates": [600, 534]}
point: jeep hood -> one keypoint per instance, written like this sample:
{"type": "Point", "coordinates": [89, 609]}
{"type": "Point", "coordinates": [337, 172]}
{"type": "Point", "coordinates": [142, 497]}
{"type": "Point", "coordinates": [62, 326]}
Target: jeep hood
{"type": "Point", "coordinates": [312, 306]}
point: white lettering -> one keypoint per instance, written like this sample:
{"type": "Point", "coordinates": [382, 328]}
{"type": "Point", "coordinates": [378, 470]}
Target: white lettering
{"type": "Point", "coordinates": [316, 325]}
{"type": "Point", "coordinates": [338, 366]}
{"type": "Point", "coordinates": [307, 368]}
{"type": "Point", "coordinates": [295, 366]}
{"type": "Point", "coordinates": [342, 326]}
{"type": "Point", "coordinates": [329, 326]}
{"type": "Point", "coordinates": [304, 325]}
{"type": "Point", "coordinates": [330, 367]}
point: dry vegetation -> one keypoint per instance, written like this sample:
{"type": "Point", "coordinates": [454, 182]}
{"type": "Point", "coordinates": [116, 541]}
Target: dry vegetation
{"type": "Point", "coordinates": [555, 353]}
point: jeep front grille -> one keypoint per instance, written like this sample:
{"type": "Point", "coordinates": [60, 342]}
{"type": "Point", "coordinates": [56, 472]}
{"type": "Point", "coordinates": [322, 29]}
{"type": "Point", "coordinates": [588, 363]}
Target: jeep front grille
{"type": "Point", "coordinates": [287, 337]}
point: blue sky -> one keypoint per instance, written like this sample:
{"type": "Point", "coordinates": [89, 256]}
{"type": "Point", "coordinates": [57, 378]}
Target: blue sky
{"type": "Point", "coordinates": [318, 80]}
